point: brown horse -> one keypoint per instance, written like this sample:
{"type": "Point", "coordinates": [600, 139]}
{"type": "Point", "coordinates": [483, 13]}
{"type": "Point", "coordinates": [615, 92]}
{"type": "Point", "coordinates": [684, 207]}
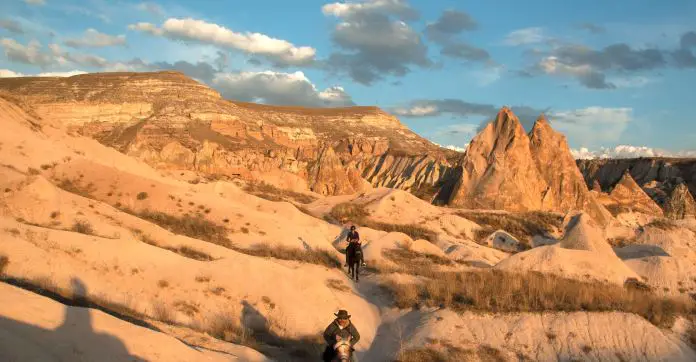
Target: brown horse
{"type": "Point", "coordinates": [343, 351]}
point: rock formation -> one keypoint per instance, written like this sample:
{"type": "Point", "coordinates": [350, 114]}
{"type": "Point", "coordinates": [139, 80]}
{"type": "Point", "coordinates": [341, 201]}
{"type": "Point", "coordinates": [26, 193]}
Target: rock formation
{"type": "Point", "coordinates": [173, 122]}
{"type": "Point", "coordinates": [498, 171]}
{"type": "Point", "coordinates": [628, 195]}
{"type": "Point", "coordinates": [566, 187]}
{"type": "Point", "coordinates": [656, 175]}
{"type": "Point", "coordinates": [680, 204]}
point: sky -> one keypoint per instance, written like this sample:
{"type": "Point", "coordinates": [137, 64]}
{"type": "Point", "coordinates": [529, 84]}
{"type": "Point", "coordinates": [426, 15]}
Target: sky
{"type": "Point", "coordinates": [616, 77]}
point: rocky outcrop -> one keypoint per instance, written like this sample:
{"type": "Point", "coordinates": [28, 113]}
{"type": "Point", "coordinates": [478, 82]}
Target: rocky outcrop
{"type": "Point", "coordinates": [680, 204]}
{"type": "Point", "coordinates": [658, 176]}
{"type": "Point", "coordinates": [566, 187]}
{"type": "Point", "coordinates": [498, 171]}
{"type": "Point", "coordinates": [628, 195]}
{"type": "Point", "coordinates": [173, 122]}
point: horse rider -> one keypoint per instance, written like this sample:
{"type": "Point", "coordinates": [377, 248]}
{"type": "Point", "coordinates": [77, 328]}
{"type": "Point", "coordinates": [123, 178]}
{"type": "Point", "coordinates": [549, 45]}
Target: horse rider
{"type": "Point", "coordinates": [353, 237]}
{"type": "Point", "coordinates": [331, 333]}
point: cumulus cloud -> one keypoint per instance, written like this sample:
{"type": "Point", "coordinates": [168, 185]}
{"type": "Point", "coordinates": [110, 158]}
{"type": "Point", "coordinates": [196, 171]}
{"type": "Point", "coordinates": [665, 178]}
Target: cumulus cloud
{"type": "Point", "coordinates": [628, 151]}
{"type": "Point", "coordinates": [400, 8]}
{"type": "Point", "coordinates": [279, 88]}
{"type": "Point", "coordinates": [684, 56]}
{"type": "Point", "coordinates": [592, 126]}
{"type": "Point", "coordinates": [11, 26]}
{"type": "Point", "coordinates": [437, 107]}
{"type": "Point", "coordinates": [525, 36]}
{"type": "Point", "coordinates": [7, 73]}
{"type": "Point", "coordinates": [451, 22]}
{"type": "Point", "coordinates": [94, 39]}
{"type": "Point", "coordinates": [35, 2]}
{"type": "Point", "coordinates": [30, 53]}
{"type": "Point", "coordinates": [375, 40]}
{"type": "Point", "coordinates": [55, 56]}
{"type": "Point", "coordinates": [279, 51]}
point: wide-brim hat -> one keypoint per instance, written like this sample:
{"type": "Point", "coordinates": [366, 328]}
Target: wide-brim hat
{"type": "Point", "coordinates": [342, 314]}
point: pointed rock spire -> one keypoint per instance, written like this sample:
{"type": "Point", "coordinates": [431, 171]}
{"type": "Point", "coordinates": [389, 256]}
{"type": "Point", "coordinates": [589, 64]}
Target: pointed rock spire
{"type": "Point", "coordinates": [498, 171]}
{"type": "Point", "coordinates": [628, 194]}
{"type": "Point", "coordinates": [680, 204]}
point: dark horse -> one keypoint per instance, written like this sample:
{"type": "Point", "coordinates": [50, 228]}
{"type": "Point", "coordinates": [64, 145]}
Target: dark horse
{"type": "Point", "coordinates": [354, 256]}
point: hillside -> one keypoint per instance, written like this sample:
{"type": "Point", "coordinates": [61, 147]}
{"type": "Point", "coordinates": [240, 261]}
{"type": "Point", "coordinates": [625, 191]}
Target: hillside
{"type": "Point", "coordinates": [109, 252]}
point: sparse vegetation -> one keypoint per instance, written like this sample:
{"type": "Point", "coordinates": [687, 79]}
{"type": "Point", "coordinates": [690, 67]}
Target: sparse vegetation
{"type": "Point", "coordinates": [141, 195]}
{"type": "Point", "coordinates": [450, 353]}
{"type": "Point", "coordinates": [337, 284]}
{"type": "Point", "coordinates": [33, 171]}
{"type": "Point", "coordinates": [76, 187]}
{"type": "Point", "coordinates": [163, 283]}
{"type": "Point", "coordinates": [662, 224]}
{"type": "Point", "coordinates": [273, 193]}
{"type": "Point", "coordinates": [318, 257]}
{"type": "Point", "coordinates": [55, 214]}
{"type": "Point", "coordinates": [4, 261]}
{"type": "Point", "coordinates": [202, 278]}
{"type": "Point", "coordinates": [499, 292]}
{"type": "Point", "coordinates": [244, 230]}
{"type": "Point", "coordinates": [523, 226]}
{"type": "Point", "coordinates": [621, 242]}
{"type": "Point", "coordinates": [358, 214]}
{"type": "Point", "coordinates": [82, 227]}
{"type": "Point", "coordinates": [194, 227]}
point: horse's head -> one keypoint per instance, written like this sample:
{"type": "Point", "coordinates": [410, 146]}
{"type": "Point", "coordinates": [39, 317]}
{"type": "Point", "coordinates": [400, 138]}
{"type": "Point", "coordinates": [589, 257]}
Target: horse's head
{"type": "Point", "coordinates": [343, 348]}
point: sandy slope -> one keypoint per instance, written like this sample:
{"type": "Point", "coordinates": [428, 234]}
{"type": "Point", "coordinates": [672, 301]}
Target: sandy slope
{"type": "Point", "coordinates": [41, 329]}
{"type": "Point", "coordinates": [576, 336]}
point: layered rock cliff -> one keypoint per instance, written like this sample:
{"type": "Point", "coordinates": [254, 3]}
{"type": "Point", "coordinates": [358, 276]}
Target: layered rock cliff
{"type": "Point", "coordinates": [657, 176]}
{"type": "Point", "coordinates": [174, 122]}
{"type": "Point", "coordinates": [680, 204]}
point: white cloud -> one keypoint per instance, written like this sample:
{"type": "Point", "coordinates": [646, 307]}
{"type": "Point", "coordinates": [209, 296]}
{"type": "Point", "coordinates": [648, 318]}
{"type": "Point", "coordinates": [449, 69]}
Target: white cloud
{"type": "Point", "coordinates": [417, 111]}
{"type": "Point", "coordinates": [279, 88]}
{"type": "Point", "coordinates": [6, 73]}
{"type": "Point", "coordinates": [525, 36]}
{"type": "Point", "coordinates": [627, 151]}
{"type": "Point", "coordinates": [277, 50]}
{"type": "Point", "coordinates": [146, 28]}
{"type": "Point", "coordinates": [35, 2]}
{"type": "Point", "coordinates": [592, 126]}
{"type": "Point", "coordinates": [29, 54]}
{"type": "Point", "coordinates": [94, 39]}
{"type": "Point", "coordinates": [345, 10]}
{"type": "Point", "coordinates": [552, 65]}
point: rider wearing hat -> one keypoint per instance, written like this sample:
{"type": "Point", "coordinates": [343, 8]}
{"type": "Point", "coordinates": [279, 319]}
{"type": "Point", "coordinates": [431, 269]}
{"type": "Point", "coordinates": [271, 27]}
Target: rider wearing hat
{"type": "Point", "coordinates": [341, 322]}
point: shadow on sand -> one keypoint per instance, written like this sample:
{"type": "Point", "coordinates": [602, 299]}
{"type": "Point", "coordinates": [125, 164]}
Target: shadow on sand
{"type": "Point", "coordinates": [74, 340]}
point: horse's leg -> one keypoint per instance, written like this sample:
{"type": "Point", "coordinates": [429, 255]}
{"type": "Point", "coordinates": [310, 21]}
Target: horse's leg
{"type": "Point", "coordinates": [356, 269]}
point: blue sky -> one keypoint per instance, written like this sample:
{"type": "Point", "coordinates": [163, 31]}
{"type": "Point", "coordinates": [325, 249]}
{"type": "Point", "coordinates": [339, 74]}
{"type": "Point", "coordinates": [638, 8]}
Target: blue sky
{"type": "Point", "coordinates": [606, 73]}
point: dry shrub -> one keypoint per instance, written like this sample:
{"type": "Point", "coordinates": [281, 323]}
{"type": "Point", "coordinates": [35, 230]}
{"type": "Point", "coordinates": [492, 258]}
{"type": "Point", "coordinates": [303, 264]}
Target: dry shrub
{"type": "Point", "coordinates": [500, 292]}
{"type": "Point", "coordinates": [186, 308]}
{"type": "Point", "coordinates": [318, 257]}
{"type": "Point", "coordinates": [141, 195]}
{"type": "Point", "coordinates": [337, 284]}
{"type": "Point", "coordinates": [273, 193]}
{"type": "Point", "coordinates": [191, 253]}
{"type": "Point", "coordinates": [620, 242]}
{"type": "Point", "coordinates": [450, 353]}
{"type": "Point", "coordinates": [162, 312]}
{"type": "Point", "coordinates": [523, 226]}
{"type": "Point", "coordinates": [357, 213]}
{"type": "Point", "coordinates": [663, 224]}
{"type": "Point", "coordinates": [82, 227]}
{"type": "Point", "coordinates": [194, 227]}
{"type": "Point", "coordinates": [4, 261]}
{"type": "Point", "coordinates": [202, 278]}
{"type": "Point", "coordinates": [76, 187]}
{"type": "Point", "coordinates": [162, 283]}
{"type": "Point", "coordinates": [616, 209]}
